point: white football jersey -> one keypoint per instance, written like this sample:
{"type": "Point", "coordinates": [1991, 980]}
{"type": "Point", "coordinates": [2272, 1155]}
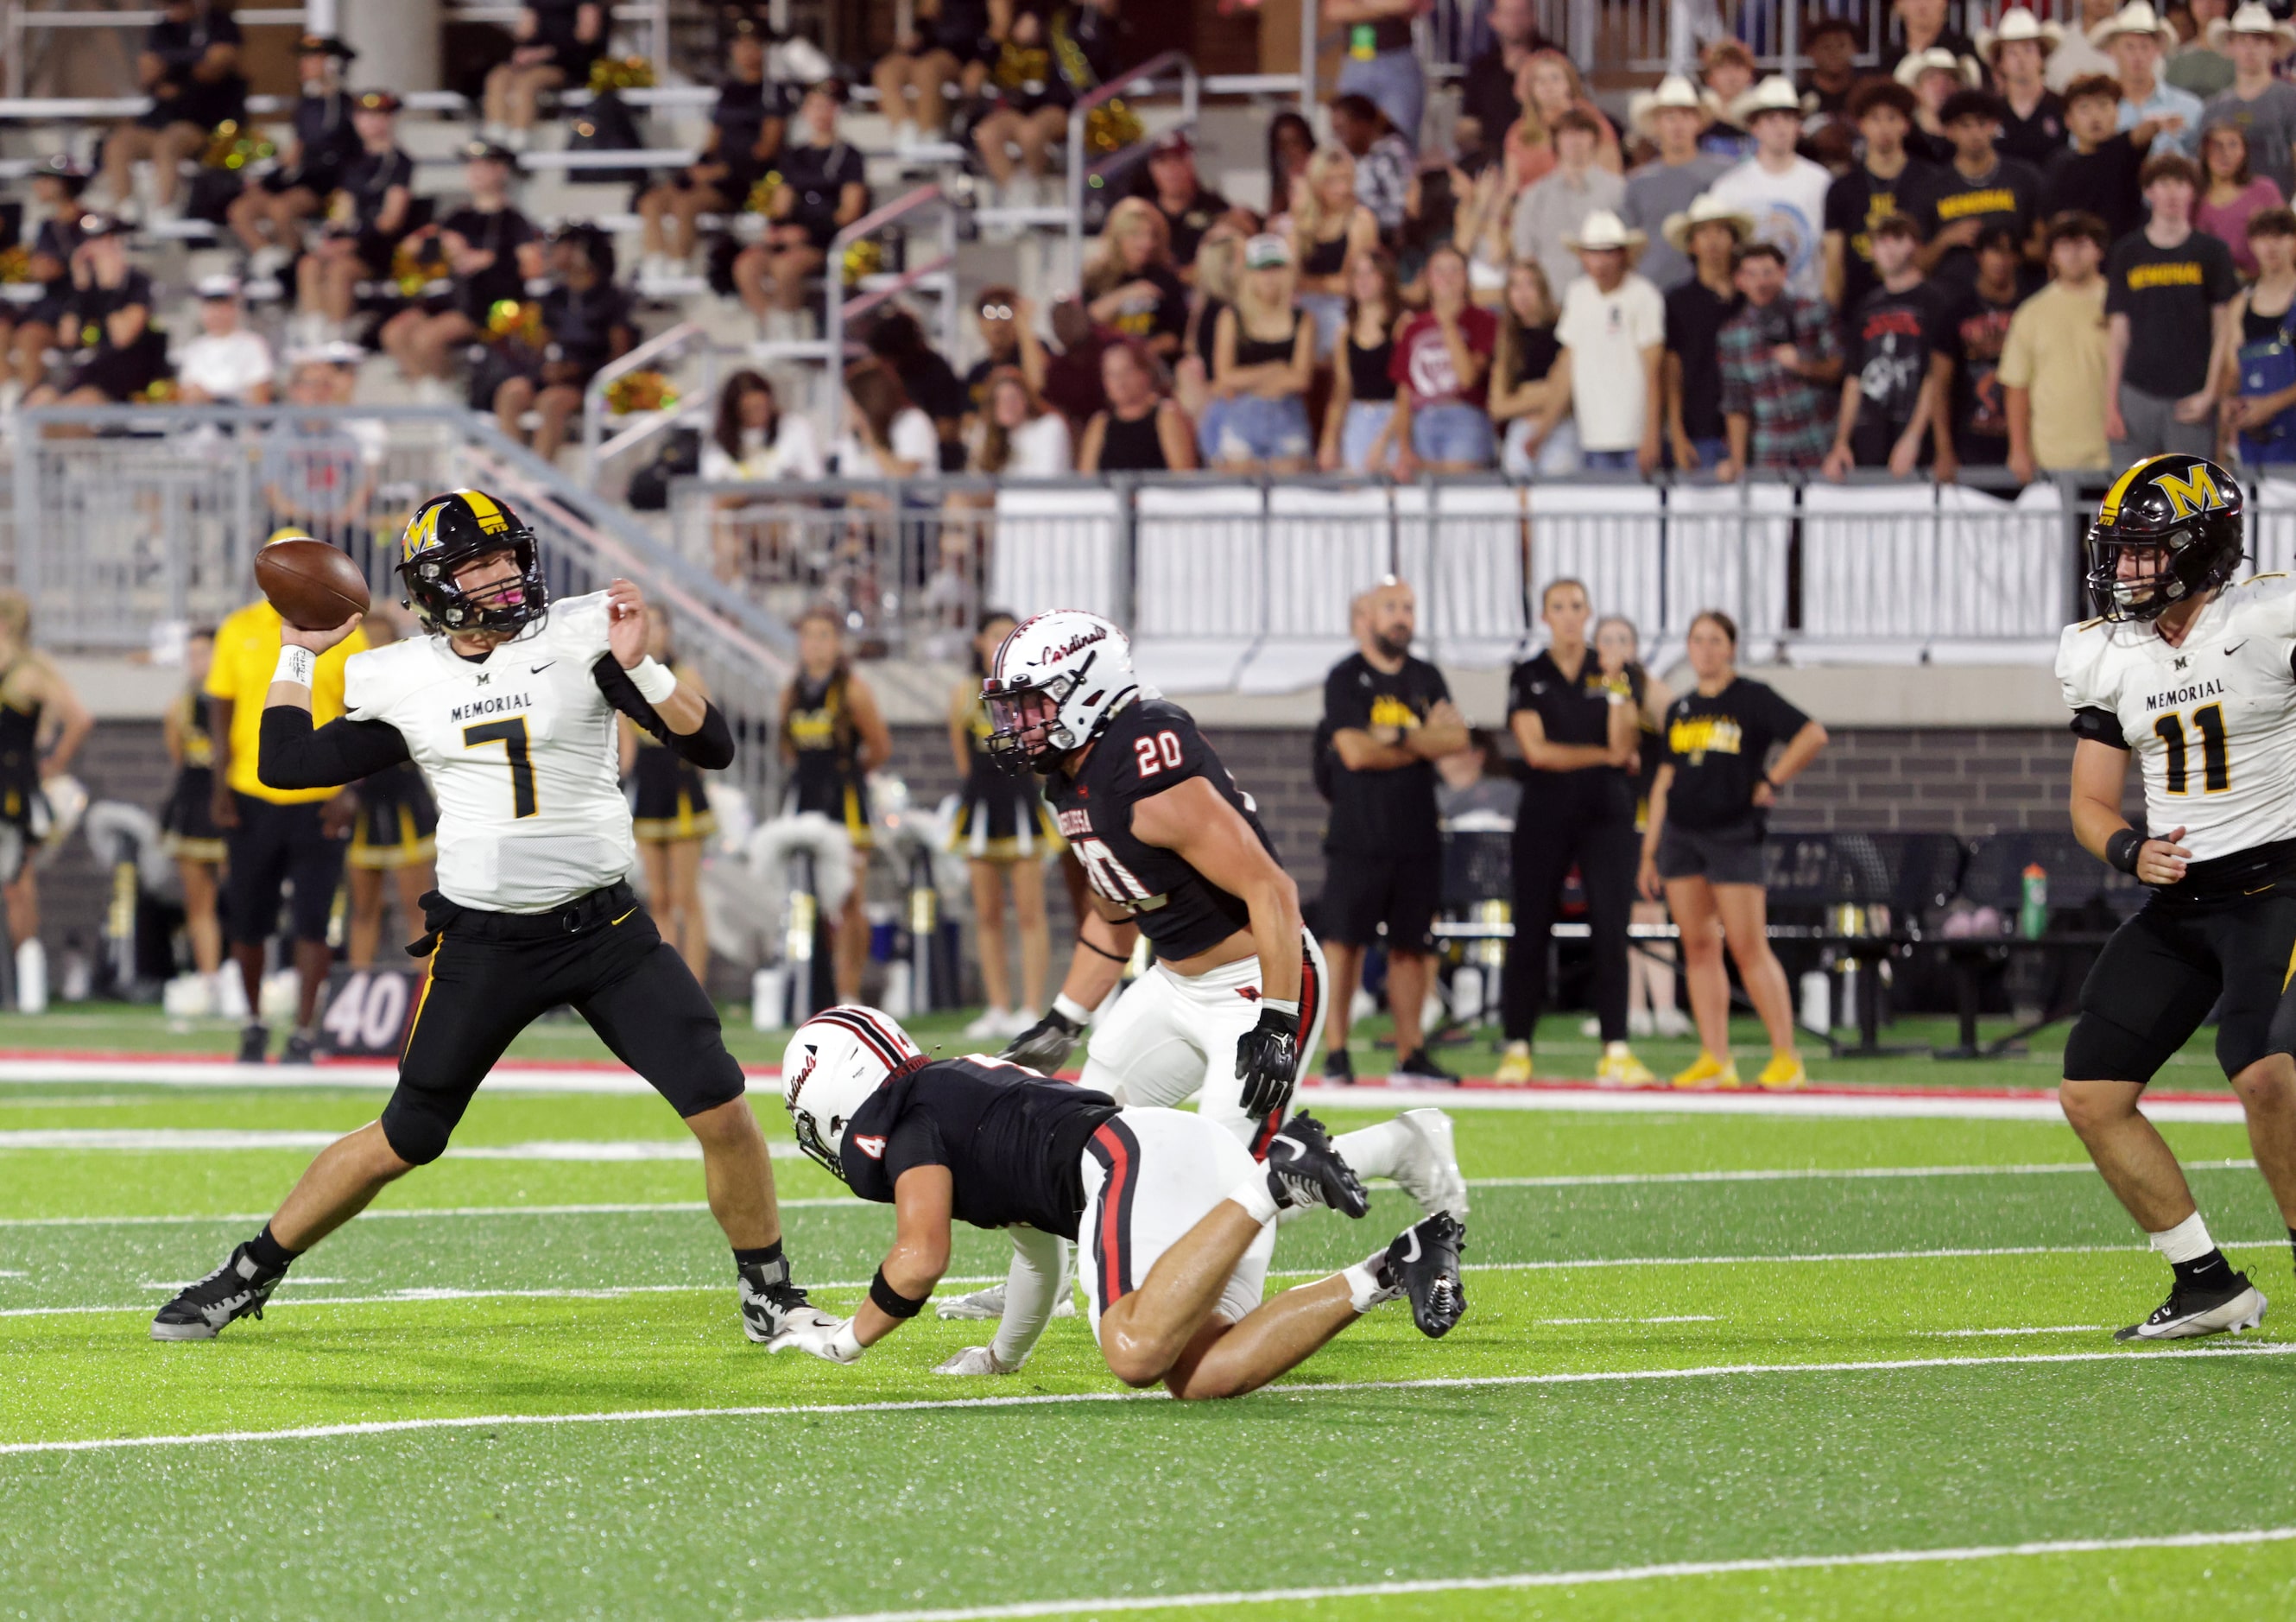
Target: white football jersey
{"type": "Point", "coordinates": [2212, 723]}
{"type": "Point", "coordinates": [520, 754]}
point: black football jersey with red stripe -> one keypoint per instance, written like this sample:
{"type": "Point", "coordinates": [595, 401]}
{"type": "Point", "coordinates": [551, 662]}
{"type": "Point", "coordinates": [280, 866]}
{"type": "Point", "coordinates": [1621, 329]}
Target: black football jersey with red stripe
{"type": "Point", "coordinates": [1013, 1142]}
{"type": "Point", "coordinates": [1149, 745]}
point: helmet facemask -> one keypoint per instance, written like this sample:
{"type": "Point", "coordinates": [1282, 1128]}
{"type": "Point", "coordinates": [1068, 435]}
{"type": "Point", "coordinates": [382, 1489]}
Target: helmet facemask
{"type": "Point", "coordinates": [2184, 565]}
{"type": "Point", "coordinates": [1026, 731]}
{"type": "Point", "coordinates": [808, 1131]}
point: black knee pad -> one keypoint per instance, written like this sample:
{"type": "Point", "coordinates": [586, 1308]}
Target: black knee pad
{"type": "Point", "coordinates": [415, 1126]}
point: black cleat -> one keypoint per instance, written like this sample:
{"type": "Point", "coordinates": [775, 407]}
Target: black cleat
{"type": "Point", "coordinates": [1420, 1067]}
{"type": "Point", "coordinates": [1339, 1069]}
{"type": "Point", "coordinates": [1303, 1170]}
{"type": "Point", "coordinates": [302, 1047]}
{"type": "Point", "coordinates": [236, 1290]}
{"type": "Point", "coordinates": [2235, 1305]}
{"type": "Point", "coordinates": [255, 1043]}
{"type": "Point", "coordinates": [1424, 1264]}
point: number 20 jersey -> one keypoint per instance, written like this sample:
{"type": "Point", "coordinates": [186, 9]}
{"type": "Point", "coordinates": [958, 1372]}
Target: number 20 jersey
{"type": "Point", "coordinates": [1148, 746]}
{"type": "Point", "coordinates": [521, 754]}
{"type": "Point", "coordinates": [2212, 722]}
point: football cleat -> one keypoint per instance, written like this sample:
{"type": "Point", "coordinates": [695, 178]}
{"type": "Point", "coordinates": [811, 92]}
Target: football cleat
{"type": "Point", "coordinates": [775, 1309]}
{"type": "Point", "coordinates": [236, 1290]}
{"type": "Point", "coordinates": [1514, 1065]}
{"type": "Point", "coordinates": [1620, 1068]}
{"type": "Point", "coordinates": [1429, 1170]}
{"type": "Point", "coordinates": [1710, 1072]}
{"type": "Point", "coordinates": [1303, 1170]}
{"type": "Point", "coordinates": [1339, 1069]}
{"type": "Point", "coordinates": [1419, 1068]}
{"type": "Point", "coordinates": [1424, 1264]}
{"type": "Point", "coordinates": [987, 1305]}
{"type": "Point", "coordinates": [302, 1047]}
{"type": "Point", "coordinates": [1782, 1073]}
{"type": "Point", "coordinates": [2232, 1307]}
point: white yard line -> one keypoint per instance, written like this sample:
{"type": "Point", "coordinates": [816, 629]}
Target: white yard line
{"type": "Point", "coordinates": [216, 1140]}
{"type": "Point", "coordinates": [1572, 1579]}
{"type": "Point", "coordinates": [1681, 1318]}
{"type": "Point", "coordinates": [2047, 1329]}
{"type": "Point", "coordinates": [1821, 1175]}
{"type": "Point", "coordinates": [1337, 1388]}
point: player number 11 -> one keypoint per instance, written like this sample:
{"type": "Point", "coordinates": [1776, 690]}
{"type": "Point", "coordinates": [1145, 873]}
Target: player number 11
{"type": "Point", "coordinates": [2216, 765]}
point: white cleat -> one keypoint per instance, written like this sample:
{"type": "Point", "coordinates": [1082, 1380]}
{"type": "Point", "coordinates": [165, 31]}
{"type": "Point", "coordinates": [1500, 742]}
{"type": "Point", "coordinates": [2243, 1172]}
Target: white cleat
{"type": "Point", "coordinates": [2188, 1313]}
{"type": "Point", "coordinates": [1429, 1170]}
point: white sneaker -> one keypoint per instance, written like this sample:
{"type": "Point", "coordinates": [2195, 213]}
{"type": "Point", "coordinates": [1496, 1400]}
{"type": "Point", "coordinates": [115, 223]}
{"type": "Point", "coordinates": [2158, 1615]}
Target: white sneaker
{"type": "Point", "coordinates": [1672, 1022]}
{"type": "Point", "coordinates": [992, 1023]}
{"type": "Point", "coordinates": [985, 1304]}
{"type": "Point", "coordinates": [1021, 1022]}
{"type": "Point", "coordinates": [1639, 1022]}
{"type": "Point", "coordinates": [1590, 1027]}
{"type": "Point", "coordinates": [1429, 1170]}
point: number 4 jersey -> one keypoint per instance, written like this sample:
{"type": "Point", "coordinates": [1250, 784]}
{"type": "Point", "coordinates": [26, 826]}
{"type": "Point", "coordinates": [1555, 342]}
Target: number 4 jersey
{"type": "Point", "coordinates": [1149, 746]}
{"type": "Point", "coordinates": [520, 754]}
{"type": "Point", "coordinates": [2212, 722]}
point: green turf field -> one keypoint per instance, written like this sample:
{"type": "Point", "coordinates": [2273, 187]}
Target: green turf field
{"type": "Point", "coordinates": [1713, 1366]}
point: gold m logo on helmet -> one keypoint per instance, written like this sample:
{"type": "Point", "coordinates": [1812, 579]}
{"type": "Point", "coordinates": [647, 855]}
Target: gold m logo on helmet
{"type": "Point", "coordinates": [2192, 492]}
{"type": "Point", "coordinates": [422, 533]}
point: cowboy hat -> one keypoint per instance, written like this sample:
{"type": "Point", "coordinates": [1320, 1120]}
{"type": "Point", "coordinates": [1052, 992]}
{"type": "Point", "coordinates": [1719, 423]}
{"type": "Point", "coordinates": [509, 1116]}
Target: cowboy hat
{"type": "Point", "coordinates": [1642, 107]}
{"type": "Point", "coordinates": [2251, 19]}
{"type": "Point", "coordinates": [2137, 17]}
{"type": "Point", "coordinates": [2018, 24]}
{"type": "Point", "coordinates": [1603, 229]}
{"type": "Point", "coordinates": [1775, 94]}
{"type": "Point", "coordinates": [1917, 62]}
{"type": "Point", "coordinates": [1705, 209]}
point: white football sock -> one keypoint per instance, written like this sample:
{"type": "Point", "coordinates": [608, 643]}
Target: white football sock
{"type": "Point", "coordinates": [1375, 1151]}
{"type": "Point", "coordinates": [1256, 1198]}
{"type": "Point", "coordinates": [1364, 1291]}
{"type": "Point", "coordinates": [2187, 1241]}
{"type": "Point", "coordinates": [31, 979]}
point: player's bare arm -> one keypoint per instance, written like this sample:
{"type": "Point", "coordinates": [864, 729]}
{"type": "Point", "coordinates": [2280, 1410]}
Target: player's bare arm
{"type": "Point", "coordinates": [2100, 772]}
{"type": "Point", "coordinates": [1193, 822]}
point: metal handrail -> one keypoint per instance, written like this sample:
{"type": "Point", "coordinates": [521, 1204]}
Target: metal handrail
{"type": "Point", "coordinates": [1134, 81]}
{"type": "Point", "coordinates": [595, 447]}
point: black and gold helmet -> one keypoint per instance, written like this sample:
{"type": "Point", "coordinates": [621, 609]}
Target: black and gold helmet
{"type": "Point", "coordinates": [2184, 511]}
{"type": "Point", "coordinates": [449, 531]}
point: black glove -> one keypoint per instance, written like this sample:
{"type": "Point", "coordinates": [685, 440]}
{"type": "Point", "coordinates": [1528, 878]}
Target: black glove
{"type": "Point", "coordinates": [1267, 1057]}
{"type": "Point", "coordinates": [1044, 1046]}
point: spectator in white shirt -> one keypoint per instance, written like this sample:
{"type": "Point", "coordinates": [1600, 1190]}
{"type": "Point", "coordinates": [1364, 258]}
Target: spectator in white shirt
{"type": "Point", "coordinates": [1019, 437]}
{"type": "Point", "coordinates": [755, 439]}
{"type": "Point", "coordinates": [1784, 192]}
{"type": "Point", "coordinates": [1613, 335]}
{"type": "Point", "coordinates": [227, 365]}
{"type": "Point", "coordinates": [886, 437]}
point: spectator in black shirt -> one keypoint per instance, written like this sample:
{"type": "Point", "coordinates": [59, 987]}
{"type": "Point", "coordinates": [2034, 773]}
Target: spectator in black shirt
{"type": "Point", "coordinates": [2168, 303]}
{"type": "Point", "coordinates": [2096, 172]}
{"type": "Point", "coordinates": [586, 321]}
{"type": "Point", "coordinates": [32, 329]}
{"type": "Point", "coordinates": [1027, 113]}
{"type": "Point", "coordinates": [1896, 365]}
{"type": "Point", "coordinates": [114, 352]}
{"type": "Point", "coordinates": [557, 42]}
{"type": "Point", "coordinates": [745, 134]}
{"type": "Point", "coordinates": [1390, 717]}
{"type": "Point", "coordinates": [1577, 738]}
{"type": "Point", "coordinates": [189, 67]}
{"type": "Point", "coordinates": [1831, 46]}
{"type": "Point", "coordinates": [1703, 844]}
{"type": "Point", "coordinates": [824, 189]}
{"type": "Point", "coordinates": [1979, 187]}
{"type": "Point", "coordinates": [1890, 180]}
{"type": "Point", "coordinates": [1169, 181]}
{"type": "Point", "coordinates": [1130, 283]}
{"type": "Point", "coordinates": [1921, 26]}
{"type": "Point", "coordinates": [1976, 332]}
{"type": "Point", "coordinates": [1136, 429]}
{"type": "Point", "coordinates": [1487, 93]}
{"type": "Point", "coordinates": [490, 248]}
{"type": "Point", "coordinates": [267, 217]}
{"type": "Point", "coordinates": [366, 215]}
{"type": "Point", "coordinates": [995, 317]}
{"type": "Point", "coordinates": [948, 43]}
{"type": "Point", "coordinates": [2032, 115]}
{"type": "Point", "coordinates": [930, 382]}
{"type": "Point", "coordinates": [1710, 234]}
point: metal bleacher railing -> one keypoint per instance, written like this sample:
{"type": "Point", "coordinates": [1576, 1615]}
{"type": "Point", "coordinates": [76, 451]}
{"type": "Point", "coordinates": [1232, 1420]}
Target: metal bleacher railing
{"type": "Point", "coordinates": [120, 520]}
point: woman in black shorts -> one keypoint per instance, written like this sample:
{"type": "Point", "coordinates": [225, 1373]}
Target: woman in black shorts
{"type": "Point", "coordinates": [1709, 814]}
{"type": "Point", "coordinates": [187, 826]}
{"type": "Point", "coordinates": [672, 816]}
{"type": "Point", "coordinates": [1005, 832]}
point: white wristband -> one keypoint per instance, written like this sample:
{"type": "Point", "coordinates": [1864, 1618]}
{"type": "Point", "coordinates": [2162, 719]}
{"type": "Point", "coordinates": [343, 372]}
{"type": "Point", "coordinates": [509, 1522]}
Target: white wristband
{"type": "Point", "coordinates": [846, 1345]}
{"type": "Point", "coordinates": [295, 665]}
{"type": "Point", "coordinates": [654, 680]}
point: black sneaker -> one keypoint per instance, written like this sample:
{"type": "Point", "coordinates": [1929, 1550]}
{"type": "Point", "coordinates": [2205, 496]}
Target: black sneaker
{"type": "Point", "coordinates": [1418, 1067]}
{"type": "Point", "coordinates": [302, 1047]}
{"type": "Point", "coordinates": [1339, 1069]}
{"type": "Point", "coordinates": [254, 1044]}
{"type": "Point", "coordinates": [1303, 1170]}
{"type": "Point", "coordinates": [1424, 1264]}
{"type": "Point", "coordinates": [236, 1290]}
{"type": "Point", "coordinates": [2235, 1305]}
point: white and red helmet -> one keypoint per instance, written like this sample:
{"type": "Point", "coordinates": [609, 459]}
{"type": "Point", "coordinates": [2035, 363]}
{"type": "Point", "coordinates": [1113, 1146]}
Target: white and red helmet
{"type": "Point", "coordinates": [835, 1061]}
{"type": "Point", "coordinates": [1054, 684]}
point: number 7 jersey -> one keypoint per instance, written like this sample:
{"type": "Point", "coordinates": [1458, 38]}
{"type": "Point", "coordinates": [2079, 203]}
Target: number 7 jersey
{"type": "Point", "coordinates": [2212, 723]}
{"type": "Point", "coordinates": [521, 754]}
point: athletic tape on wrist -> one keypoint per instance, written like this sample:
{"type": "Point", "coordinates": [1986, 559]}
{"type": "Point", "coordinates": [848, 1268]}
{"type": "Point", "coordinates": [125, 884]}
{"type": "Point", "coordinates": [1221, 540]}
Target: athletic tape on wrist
{"type": "Point", "coordinates": [1276, 1005]}
{"type": "Point", "coordinates": [654, 680]}
{"type": "Point", "coordinates": [845, 1344]}
{"type": "Point", "coordinates": [295, 665]}
{"type": "Point", "coordinates": [1069, 1008]}
{"type": "Point", "coordinates": [891, 1302]}
{"type": "Point", "coordinates": [2121, 849]}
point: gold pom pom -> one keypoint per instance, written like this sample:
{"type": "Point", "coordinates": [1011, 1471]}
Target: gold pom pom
{"type": "Point", "coordinates": [761, 196]}
{"type": "Point", "coordinates": [864, 258]}
{"type": "Point", "coordinates": [636, 392]}
{"type": "Point", "coordinates": [612, 73]}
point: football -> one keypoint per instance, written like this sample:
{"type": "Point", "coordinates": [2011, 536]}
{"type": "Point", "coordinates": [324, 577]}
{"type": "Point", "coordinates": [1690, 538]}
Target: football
{"type": "Point", "coordinates": [314, 586]}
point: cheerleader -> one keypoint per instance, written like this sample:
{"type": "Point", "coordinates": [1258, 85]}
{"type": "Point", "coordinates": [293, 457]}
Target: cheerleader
{"type": "Point", "coordinates": [833, 736]}
{"type": "Point", "coordinates": [673, 817]}
{"type": "Point", "coordinates": [190, 834]}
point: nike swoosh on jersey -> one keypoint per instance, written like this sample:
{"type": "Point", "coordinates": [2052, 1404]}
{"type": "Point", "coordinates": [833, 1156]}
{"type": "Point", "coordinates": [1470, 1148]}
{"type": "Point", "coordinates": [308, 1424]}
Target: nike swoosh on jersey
{"type": "Point", "coordinates": [544, 666]}
{"type": "Point", "coordinates": [2235, 647]}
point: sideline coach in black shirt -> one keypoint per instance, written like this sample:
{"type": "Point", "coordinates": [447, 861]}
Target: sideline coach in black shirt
{"type": "Point", "coordinates": [1390, 717]}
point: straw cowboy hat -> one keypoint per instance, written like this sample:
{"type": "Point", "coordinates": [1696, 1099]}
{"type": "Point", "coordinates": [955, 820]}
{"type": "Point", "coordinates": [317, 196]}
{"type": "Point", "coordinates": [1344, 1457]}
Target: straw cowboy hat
{"type": "Point", "coordinates": [1642, 107]}
{"type": "Point", "coordinates": [1775, 93]}
{"type": "Point", "coordinates": [1705, 209]}
{"type": "Point", "coordinates": [1603, 229]}
{"type": "Point", "coordinates": [1917, 62]}
{"type": "Point", "coordinates": [2136, 17]}
{"type": "Point", "coordinates": [2018, 25]}
{"type": "Point", "coordinates": [2252, 18]}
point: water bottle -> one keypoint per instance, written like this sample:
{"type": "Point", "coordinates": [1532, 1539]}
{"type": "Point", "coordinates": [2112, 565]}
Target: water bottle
{"type": "Point", "coordinates": [2033, 907]}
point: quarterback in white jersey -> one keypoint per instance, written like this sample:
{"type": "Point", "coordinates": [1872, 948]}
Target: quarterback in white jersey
{"type": "Point", "coordinates": [508, 708]}
{"type": "Point", "coordinates": [2191, 675]}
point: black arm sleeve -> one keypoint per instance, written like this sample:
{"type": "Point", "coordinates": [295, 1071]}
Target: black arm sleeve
{"type": "Point", "coordinates": [710, 745]}
{"type": "Point", "coordinates": [295, 756]}
{"type": "Point", "coordinates": [2098, 726]}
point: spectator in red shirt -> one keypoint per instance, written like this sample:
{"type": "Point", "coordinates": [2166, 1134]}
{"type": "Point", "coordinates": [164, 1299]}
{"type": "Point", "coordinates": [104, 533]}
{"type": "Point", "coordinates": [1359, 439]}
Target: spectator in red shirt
{"type": "Point", "coordinates": [1441, 360]}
